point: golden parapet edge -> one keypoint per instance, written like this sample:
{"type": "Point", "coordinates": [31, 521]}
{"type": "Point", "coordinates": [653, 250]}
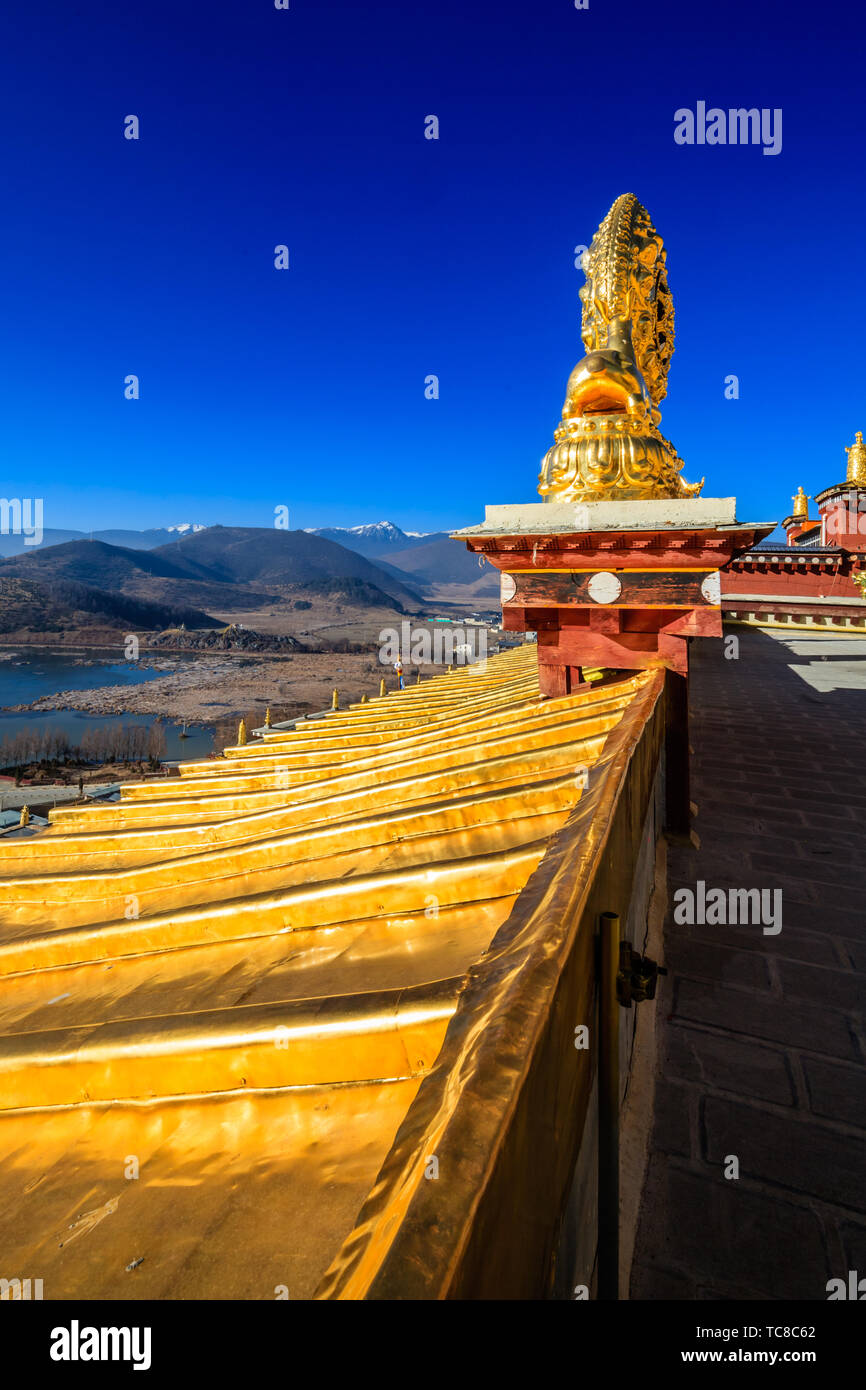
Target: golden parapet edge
{"type": "Point", "coordinates": [280, 969]}
{"type": "Point", "coordinates": [503, 1108]}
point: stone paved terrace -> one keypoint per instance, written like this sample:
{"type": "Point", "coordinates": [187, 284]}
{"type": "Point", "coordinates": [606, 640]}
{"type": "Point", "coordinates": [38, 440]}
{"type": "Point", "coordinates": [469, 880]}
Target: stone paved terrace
{"type": "Point", "coordinates": [761, 1041]}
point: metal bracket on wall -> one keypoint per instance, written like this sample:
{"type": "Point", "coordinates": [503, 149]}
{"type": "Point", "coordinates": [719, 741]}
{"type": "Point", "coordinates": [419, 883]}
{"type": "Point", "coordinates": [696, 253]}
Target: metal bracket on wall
{"type": "Point", "coordinates": [637, 976]}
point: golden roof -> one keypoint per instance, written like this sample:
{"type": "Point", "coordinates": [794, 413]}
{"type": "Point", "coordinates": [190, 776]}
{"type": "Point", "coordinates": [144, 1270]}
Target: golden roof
{"type": "Point", "coordinates": [222, 993]}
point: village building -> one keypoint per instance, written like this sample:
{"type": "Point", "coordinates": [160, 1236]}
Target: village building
{"type": "Point", "coordinates": [818, 578]}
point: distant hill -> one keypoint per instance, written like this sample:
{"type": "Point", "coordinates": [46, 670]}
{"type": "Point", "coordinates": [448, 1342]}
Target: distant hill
{"type": "Point", "coordinates": [148, 575]}
{"type": "Point", "coordinates": [376, 540]}
{"type": "Point", "coordinates": [432, 562]}
{"type": "Point", "coordinates": [132, 540]}
{"type": "Point", "coordinates": [444, 562]}
{"type": "Point", "coordinates": [353, 591]}
{"type": "Point", "coordinates": [51, 605]}
{"type": "Point", "coordinates": [265, 556]}
{"type": "Point", "coordinates": [220, 570]}
{"type": "Point", "coordinates": [95, 562]}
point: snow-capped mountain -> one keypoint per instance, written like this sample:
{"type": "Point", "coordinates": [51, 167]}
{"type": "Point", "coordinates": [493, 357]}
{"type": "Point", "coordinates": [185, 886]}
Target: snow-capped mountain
{"type": "Point", "coordinates": [375, 538]}
{"type": "Point", "coordinates": [130, 540]}
{"type": "Point", "coordinates": [380, 530]}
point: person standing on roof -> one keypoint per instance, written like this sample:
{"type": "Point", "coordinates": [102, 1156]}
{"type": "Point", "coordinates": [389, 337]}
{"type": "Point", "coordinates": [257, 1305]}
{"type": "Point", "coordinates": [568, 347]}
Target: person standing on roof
{"type": "Point", "coordinates": [398, 667]}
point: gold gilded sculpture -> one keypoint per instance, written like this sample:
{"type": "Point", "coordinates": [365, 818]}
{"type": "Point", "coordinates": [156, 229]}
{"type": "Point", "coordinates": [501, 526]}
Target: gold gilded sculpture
{"type": "Point", "coordinates": [857, 460]}
{"type": "Point", "coordinates": [801, 503]}
{"type": "Point", "coordinates": [608, 445]}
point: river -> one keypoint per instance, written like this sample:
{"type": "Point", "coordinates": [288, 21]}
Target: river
{"type": "Point", "coordinates": [28, 674]}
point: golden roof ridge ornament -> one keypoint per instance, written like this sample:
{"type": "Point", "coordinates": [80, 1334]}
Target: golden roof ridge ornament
{"type": "Point", "coordinates": [608, 445]}
{"type": "Point", "coordinates": [801, 503]}
{"type": "Point", "coordinates": [856, 460]}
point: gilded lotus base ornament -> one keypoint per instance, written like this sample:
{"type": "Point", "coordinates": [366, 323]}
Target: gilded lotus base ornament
{"type": "Point", "coordinates": [609, 444]}
{"type": "Point", "coordinates": [611, 456]}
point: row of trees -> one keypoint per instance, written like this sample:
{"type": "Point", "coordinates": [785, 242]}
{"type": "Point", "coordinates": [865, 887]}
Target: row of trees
{"type": "Point", "coordinates": [112, 743]}
{"type": "Point", "coordinates": [88, 603]}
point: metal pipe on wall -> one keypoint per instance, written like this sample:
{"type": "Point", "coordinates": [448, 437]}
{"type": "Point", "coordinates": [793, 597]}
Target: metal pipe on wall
{"type": "Point", "coordinates": [608, 1108]}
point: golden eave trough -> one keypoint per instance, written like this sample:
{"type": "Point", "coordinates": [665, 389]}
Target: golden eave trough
{"type": "Point", "coordinates": [234, 984]}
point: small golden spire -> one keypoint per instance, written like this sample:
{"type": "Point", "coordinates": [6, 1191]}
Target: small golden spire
{"type": "Point", "coordinates": [801, 503]}
{"type": "Point", "coordinates": [242, 733]}
{"type": "Point", "coordinates": [363, 699]}
{"type": "Point", "coordinates": [335, 699]}
{"type": "Point", "coordinates": [381, 687]}
{"type": "Point", "coordinates": [418, 677]}
{"type": "Point", "coordinates": [25, 816]}
{"type": "Point", "coordinates": [856, 460]}
{"type": "Point", "coordinates": [268, 717]}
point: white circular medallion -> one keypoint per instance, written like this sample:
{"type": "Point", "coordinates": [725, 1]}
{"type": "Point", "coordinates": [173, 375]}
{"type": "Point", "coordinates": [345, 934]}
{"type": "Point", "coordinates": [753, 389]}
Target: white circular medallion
{"type": "Point", "coordinates": [507, 588]}
{"type": "Point", "coordinates": [604, 587]}
{"type": "Point", "coordinates": [711, 588]}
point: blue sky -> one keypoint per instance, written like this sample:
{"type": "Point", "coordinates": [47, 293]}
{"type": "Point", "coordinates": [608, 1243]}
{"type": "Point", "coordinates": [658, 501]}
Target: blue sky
{"type": "Point", "coordinates": [305, 388]}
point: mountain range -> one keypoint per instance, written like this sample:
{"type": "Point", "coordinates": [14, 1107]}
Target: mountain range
{"type": "Point", "coordinates": [200, 571]}
{"type": "Point", "coordinates": [132, 540]}
{"type": "Point", "coordinates": [377, 538]}
{"type": "Point", "coordinates": [372, 539]}
{"type": "Point", "coordinates": [429, 560]}
{"type": "Point", "coordinates": [220, 569]}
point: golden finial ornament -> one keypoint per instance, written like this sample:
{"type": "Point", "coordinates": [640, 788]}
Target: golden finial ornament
{"type": "Point", "coordinates": [801, 504]}
{"type": "Point", "coordinates": [381, 687]}
{"type": "Point", "coordinates": [268, 717]}
{"type": "Point", "coordinates": [242, 733]}
{"type": "Point", "coordinates": [335, 699]}
{"type": "Point", "coordinates": [25, 816]}
{"type": "Point", "coordinates": [608, 445]}
{"type": "Point", "coordinates": [856, 460]}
